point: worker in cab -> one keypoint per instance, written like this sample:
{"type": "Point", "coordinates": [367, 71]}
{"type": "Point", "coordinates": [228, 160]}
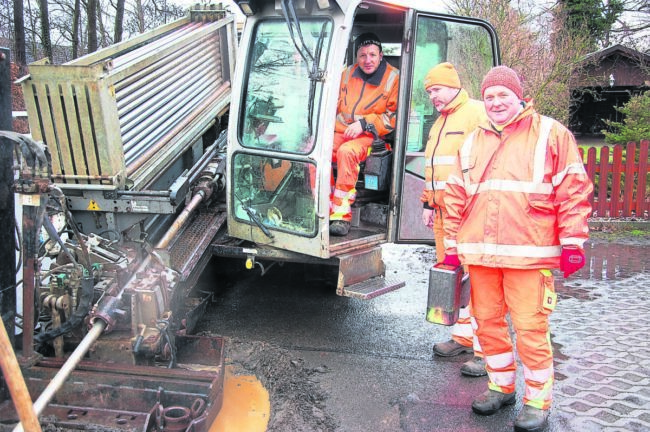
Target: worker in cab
{"type": "Point", "coordinates": [368, 96]}
{"type": "Point", "coordinates": [518, 204]}
{"type": "Point", "coordinates": [459, 115]}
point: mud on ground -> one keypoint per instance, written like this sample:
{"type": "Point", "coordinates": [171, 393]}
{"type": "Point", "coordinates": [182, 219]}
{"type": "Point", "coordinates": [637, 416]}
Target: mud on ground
{"type": "Point", "coordinates": [297, 402]}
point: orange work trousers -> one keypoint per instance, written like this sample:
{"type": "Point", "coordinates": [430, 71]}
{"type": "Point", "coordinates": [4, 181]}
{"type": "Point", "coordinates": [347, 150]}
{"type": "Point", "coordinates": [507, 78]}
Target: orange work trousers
{"type": "Point", "coordinates": [347, 154]}
{"type": "Point", "coordinates": [529, 296]}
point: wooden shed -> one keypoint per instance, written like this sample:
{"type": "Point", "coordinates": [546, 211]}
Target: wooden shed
{"type": "Point", "coordinates": [610, 77]}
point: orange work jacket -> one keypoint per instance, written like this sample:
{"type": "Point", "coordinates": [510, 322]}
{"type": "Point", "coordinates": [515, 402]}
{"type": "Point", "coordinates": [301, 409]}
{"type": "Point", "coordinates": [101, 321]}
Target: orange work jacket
{"type": "Point", "coordinates": [515, 197]}
{"type": "Point", "coordinates": [372, 100]}
{"type": "Point", "coordinates": [460, 117]}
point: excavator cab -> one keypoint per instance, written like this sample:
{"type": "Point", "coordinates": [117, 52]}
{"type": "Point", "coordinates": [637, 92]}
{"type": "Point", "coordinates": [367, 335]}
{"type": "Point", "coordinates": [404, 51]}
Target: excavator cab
{"type": "Point", "coordinates": [282, 116]}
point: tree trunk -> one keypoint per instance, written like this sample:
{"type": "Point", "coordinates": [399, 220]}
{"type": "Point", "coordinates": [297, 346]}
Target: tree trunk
{"type": "Point", "coordinates": [75, 28]}
{"type": "Point", "coordinates": [45, 29]}
{"type": "Point", "coordinates": [91, 13]}
{"type": "Point", "coordinates": [103, 36]}
{"type": "Point", "coordinates": [140, 15]}
{"type": "Point", "coordinates": [119, 21]}
{"type": "Point", "coordinates": [20, 55]}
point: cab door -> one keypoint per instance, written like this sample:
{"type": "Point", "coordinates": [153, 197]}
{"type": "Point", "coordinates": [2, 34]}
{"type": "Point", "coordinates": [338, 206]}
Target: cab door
{"type": "Point", "coordinates": [283, 103]}
{"type": "Point", "coordinates": [472, 47]}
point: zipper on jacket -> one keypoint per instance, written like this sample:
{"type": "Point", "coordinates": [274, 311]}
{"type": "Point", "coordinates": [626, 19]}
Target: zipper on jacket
{"type": "Point", "coordinates": [363, 88]}
{"type": "Point", "coordinates": [433, 155]}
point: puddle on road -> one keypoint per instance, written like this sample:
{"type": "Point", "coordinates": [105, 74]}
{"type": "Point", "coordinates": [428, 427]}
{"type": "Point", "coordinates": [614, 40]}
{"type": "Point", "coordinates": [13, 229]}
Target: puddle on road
{"type": "Point", "coordinates": [605, 262]}
{"type": "Point", "coordinates": [246, 405]}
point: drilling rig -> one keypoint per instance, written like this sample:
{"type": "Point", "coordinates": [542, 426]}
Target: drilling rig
{"type": "Point", "coordinates": [195, 145]}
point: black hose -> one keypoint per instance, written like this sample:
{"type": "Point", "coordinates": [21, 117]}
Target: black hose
{"type": "Point", "coordinates": [85, 302]}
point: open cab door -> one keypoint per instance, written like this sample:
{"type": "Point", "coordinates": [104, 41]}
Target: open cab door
{"type": "Point", "coordinates": [471, 45]}
{"type": "Point", "coordinates": [281, 129]}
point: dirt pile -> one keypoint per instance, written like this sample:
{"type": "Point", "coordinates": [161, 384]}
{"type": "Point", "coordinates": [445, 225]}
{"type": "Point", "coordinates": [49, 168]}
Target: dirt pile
{"type": "Point", "coordinates": [297, 402]}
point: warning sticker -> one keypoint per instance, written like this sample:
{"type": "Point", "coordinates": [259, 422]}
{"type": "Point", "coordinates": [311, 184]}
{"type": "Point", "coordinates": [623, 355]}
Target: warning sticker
{"type": "Point", "coordinates": [30, 200]}
{"type": "Point", "coordinates": [93, 206]}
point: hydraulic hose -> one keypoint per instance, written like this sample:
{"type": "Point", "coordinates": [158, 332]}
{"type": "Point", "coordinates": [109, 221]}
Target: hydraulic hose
{"type": "Point", "coordinates": [85, 303]}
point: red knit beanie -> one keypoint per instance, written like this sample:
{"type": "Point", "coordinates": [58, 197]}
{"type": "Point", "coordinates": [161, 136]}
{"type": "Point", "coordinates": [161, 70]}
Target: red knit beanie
{"type": "Point", "coordinates": [504, 76]}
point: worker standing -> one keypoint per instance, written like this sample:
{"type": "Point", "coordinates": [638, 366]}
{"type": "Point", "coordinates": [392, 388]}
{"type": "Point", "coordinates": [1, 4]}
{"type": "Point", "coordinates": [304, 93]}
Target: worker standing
{"type": "Point", "coordinates": [459, 115]}
{"type": "Point", "coordinates": [368, 96]}
{"type": "Point", "coordinates": [517, 205]}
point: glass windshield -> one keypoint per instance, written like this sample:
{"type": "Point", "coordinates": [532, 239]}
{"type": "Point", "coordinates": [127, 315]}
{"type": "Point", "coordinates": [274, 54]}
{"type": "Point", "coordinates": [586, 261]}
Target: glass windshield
{"type": "Point", "coordinates": [467, 46]}
{"type": "Point", "coordinates": [284, 88]}
{"type": "Point", "coordinates": [276, 194]}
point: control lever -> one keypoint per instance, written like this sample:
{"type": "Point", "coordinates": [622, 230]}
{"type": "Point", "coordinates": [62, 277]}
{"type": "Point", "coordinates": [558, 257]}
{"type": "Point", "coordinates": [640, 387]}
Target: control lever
{"type": "Point", "coordinates": [378, 144]}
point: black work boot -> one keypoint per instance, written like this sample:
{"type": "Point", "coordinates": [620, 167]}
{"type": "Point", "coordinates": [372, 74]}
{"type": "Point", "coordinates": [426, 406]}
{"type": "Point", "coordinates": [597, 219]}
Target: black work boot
{"type": "Point", "coordinates": [451, 348]}
{"type": "Point", "coordinates": [339, 228]}
{"type": "Point", "coordinates": [491, 401]}
{"type": "Point", "coordinates": [474, 368]}
{"type": "Point", "coordinates": [531, 419]}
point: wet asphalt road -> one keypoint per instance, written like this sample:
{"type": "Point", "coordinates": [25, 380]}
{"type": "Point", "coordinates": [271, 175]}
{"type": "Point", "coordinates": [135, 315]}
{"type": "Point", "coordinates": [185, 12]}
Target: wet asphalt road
{"type": "Point", "coordinates": [382, 376]}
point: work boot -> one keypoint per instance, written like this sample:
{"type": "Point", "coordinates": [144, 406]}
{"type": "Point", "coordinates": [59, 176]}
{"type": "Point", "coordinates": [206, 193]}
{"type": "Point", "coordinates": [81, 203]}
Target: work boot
{"type": "Point", "coordinates": [339, 228]}
{"type": "Point", "coordinates": [531, 419]}
{"type": "Point", "coordinates": [474, 368]}
{"type": "Point", "coordinates": [450, 348]}
{"type": "Point", "coordinates": [491, 401]}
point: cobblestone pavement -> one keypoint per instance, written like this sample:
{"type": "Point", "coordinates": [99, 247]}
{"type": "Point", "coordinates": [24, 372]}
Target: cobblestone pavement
{"type": "Point", "coordinates": [600, 335]}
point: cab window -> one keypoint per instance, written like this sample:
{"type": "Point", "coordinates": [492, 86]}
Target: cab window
{"type": "Point", "coordinates": [283, 90]}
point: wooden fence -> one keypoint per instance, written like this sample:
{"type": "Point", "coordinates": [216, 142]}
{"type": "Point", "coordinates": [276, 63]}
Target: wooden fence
{"type": "Point", "coordinates": [622, 184]}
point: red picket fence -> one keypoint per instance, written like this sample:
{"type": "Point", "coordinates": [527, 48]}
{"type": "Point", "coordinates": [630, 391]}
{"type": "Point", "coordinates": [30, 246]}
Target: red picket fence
{"type": "Point", "coordinates": [621, 187]}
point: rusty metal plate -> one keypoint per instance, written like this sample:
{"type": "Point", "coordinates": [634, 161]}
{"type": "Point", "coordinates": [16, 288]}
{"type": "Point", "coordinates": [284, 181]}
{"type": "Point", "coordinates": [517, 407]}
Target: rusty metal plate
{"type": "Point", "coordinates": [123, 397]}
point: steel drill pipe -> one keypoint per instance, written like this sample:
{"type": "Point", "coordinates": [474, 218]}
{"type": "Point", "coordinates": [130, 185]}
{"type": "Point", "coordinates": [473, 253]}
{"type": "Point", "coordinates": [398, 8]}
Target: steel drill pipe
{"type": "Point", "coordinates": [137, 163]}
{"type": "Point", "coordinates": [146, 90]}
{"type": "Point", "coordinates": [158, 107]}
{"type": "Point", "coordinates": [65, 371]}
{"type": "Point", "coordinates": [129, 94]}
{"type": "Point", "coordinates": [180, 220]}
{"type": "Point", "coordinates": [16, 383]}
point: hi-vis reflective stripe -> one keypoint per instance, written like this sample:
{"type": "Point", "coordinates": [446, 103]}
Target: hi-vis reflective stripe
{"type": "Point", "coordinates": [440, 160]}
{"type": "Point", "coordinates": [394, 73]}
{"type": "Point", "coordinates": [438, 185]}
{"type": "Point", "coordinates": [540, 149]}
{"type": "Point", "coordinates": [351, 194]}
{"type": "Point", "coordinates": [503, 378]}
{"type": "Point", "coordinates": [500, 361]}
{"type": "Point", "coordinates": [449, 243]}
{"type": "Point", "coordinates": [539, 387]}
{"type": "Point", "coordinates": [576, 168]}
{"type": "Point", "coordinates": [509, 250]}
{"type": "Point", "coordinates": [536, 185]}
{"type": "Point", "coordinates": [511, 186]}
{"type": "Point", "coordinates": [540, 375]}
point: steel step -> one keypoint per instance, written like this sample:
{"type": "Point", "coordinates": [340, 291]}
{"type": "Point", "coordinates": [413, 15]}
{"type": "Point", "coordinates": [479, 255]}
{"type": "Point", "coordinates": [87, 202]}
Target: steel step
{"type": "Point", "coordinates": [372, 287]}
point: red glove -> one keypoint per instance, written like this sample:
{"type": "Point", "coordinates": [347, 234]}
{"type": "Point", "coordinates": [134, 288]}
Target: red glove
{"type": "Point", "coordinates": [572, 259]}
{"type": "Point", "coordinates": [451, 260]}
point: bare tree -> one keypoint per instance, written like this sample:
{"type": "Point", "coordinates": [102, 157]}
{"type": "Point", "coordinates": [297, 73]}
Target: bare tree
{"type": "Point", "coordinates": [105, 38]}
{"type": "Point", "coordinates": [537, 46]}
{"type": "Point", "coordinates": [119, 21]}
{"type": "Point", "coordinates": [20, 54]}
{"type": "Point", "coordinates": [633, 26]}
{"type": "Point", "coordinates": [76, 18]}
{"type": "Point", "coordinates": [45, 29]}
{"type": "Point", "coordinates": [91, 14]}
